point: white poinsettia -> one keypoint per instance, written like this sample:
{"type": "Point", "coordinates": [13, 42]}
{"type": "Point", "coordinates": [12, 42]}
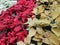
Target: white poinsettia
{"type": "Point", "coordinates": [5, 4]}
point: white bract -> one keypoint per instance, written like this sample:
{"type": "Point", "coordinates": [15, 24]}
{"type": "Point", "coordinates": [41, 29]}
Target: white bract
{"type": "Point", "coordinates": [5, 4]}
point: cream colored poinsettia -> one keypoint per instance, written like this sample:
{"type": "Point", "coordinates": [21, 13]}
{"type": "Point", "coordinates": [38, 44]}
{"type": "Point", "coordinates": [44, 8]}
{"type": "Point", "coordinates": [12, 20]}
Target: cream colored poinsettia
{"type": "Point", "coordinates": [35, 10]}
{"type": "Point", "coordinates": [38, 9]}
{"type": "Point", "coordinates": [39, 43]}
{"type": "Point", "coordinates": [53, 38]}
{"type": "Point", "coordinates": [43, 16]}
{"type": "Point", "coordinates": [58, 20]}
{"type": "Point", "coordinates": [44, 0]}
{"type": "Point", "coordinates": [56, 31]}
{"type": "Point", "coordinates": [55, 11]}
{"type": "Point", "coordinates": [27, 40]}
{"type": "Point", "coordinates": [40, 30]}
{"type": "Point", "coordinates": [20, 43]}
{"type": "Point", "coordinates": [31, 22]}
{"type": "Point", "coordinates": [31, 32]}
{"type": "Point", "coordinates": [46, 23]}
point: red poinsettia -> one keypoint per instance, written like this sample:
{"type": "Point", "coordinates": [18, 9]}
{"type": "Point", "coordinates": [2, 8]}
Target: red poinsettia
{"type": "Point", "coordinates": [12, 21]}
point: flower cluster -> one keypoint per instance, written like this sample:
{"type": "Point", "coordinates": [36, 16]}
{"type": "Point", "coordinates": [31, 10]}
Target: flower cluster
{"type": "Point", "coordinates": [12, 27]}
{"type": "Point", "coordinates": [44, 28]}
{"type": "Point", "coordinates": [4, 5]}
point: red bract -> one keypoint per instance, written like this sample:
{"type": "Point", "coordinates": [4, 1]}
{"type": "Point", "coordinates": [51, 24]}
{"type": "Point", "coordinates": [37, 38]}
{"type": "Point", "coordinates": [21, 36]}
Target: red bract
{"type": "Point", "coordinates": [16, 29]}
{"type": "Point", "coordinates": [12, 22]}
